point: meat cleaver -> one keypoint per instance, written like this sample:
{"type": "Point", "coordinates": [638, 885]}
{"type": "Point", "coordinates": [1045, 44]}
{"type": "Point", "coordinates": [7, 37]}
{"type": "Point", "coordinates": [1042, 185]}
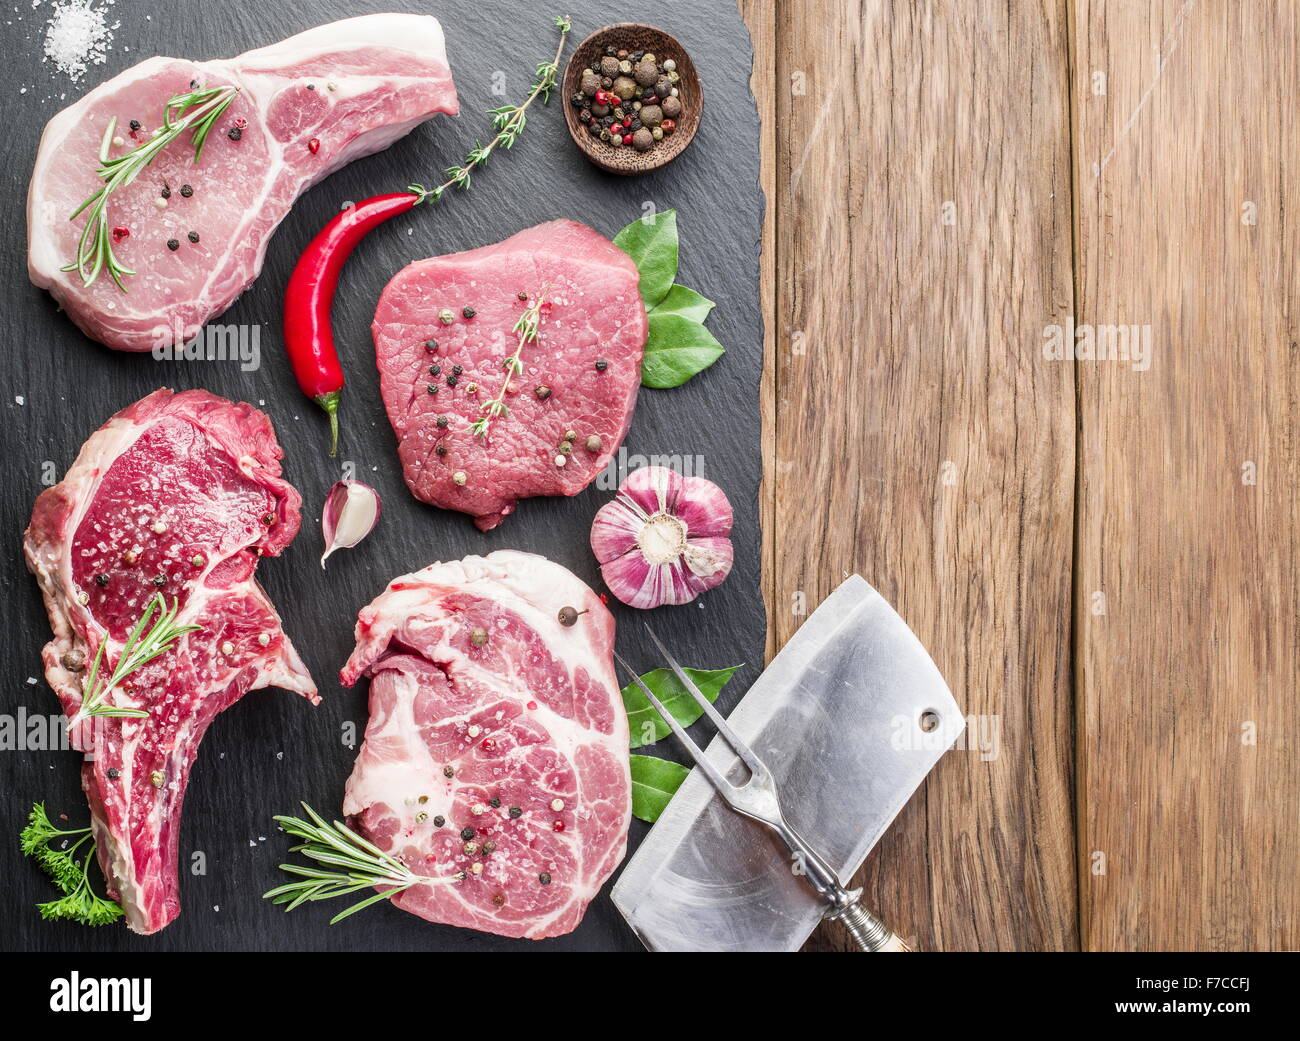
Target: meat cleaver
{"type": "Point", "coordinates": [850, 717]}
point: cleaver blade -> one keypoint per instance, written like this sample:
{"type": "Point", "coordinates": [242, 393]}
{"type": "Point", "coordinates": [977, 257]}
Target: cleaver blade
{"type": "Point", "coordinates": [850, 717]}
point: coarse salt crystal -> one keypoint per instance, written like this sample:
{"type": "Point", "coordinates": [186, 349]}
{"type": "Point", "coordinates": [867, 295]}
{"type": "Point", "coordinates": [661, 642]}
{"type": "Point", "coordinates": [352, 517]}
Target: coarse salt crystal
{"type": "Point", "coordinates": [77, 35]}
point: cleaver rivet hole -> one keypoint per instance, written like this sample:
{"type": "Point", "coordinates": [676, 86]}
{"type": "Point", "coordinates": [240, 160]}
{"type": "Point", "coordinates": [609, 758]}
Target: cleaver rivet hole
{"type": "Point", "coordinates": [929, 721]}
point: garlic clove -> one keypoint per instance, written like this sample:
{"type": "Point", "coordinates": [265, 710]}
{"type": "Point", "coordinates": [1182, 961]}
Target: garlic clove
{"type": "Point", "coordinates": [664, 538]}
{"type": "Point", "coordinates": [655, 488]}
{"type": "Point", "coordinates": [614, 530]}
{"type": "Point", "coordinates": [703, 513]}
{"type": "Point", "coordinates": [350, 513]}
{"type": "Point", "coordinates": [705, 557]}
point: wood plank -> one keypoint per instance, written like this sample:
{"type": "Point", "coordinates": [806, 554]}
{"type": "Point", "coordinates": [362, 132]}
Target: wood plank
{"type": "Point", "coordinates": [1190, 510]}
{"type": "Point", "coordinates": [916, 439]}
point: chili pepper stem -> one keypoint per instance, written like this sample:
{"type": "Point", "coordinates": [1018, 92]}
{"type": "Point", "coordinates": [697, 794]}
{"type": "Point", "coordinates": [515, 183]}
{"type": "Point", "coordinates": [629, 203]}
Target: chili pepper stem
{"type": "Point", "coordinates": [330, 403]}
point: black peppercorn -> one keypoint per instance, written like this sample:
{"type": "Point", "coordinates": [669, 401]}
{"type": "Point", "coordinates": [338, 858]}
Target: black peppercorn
{"type": "Point", "coordinates": [159, 580]}
{"type": "Point", "coordinates": [101, 580]}
{"type": "Point", "coordinates": [235, 133]}
{"type": "Point", "coordinates": [193, 236]}
{"type": "Point", "coordinates": [442, 421]}
{"type": "Point", "coordinates": [449, 771]}
{"type": "Point", "coordinates": [601, 365]}
{"type": "Point", "coordinates": [515, 812]}
{"type": "Point", "coordinates": [544, 878]}
{"type": "Point", "coordinates": [430, 345]}
{"type": "Point", "coordinates": [452, 381]}
{"type": "Point", "coordinates": [494, 802]}
{"type": "Point", "coordinates": [186, 191]}
{"type": "Point", "coordinates": [441, 450]}
{"type": "Point", "coordinates": [456, 370]}
{"type": "Point", "coordinates": [466, 833]}
{"type": "Point", "coordinates": [135, 124]}
{"type": "Point", "coordinates": [431, 388]}
{"type": "Point", "coordinates": [468, 312]}
{"type": "Point", "coordinates": [173, 245]}
{"type": "Point", "coordinates": [435, 369]}
{"type": "Point", "coordinates": [439, 821]}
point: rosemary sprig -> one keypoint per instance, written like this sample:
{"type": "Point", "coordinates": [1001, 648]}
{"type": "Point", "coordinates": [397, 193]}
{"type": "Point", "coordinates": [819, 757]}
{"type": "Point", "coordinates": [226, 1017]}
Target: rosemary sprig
{"type": "Point", "coordinates": [68, 868]}
{"type": "Point", "coordinates": [197, 112]}
{"type": "Point", "coordinates": [508, 121]}
{"type": "Point", "coordinates": [358, 864]}
{"type": "Point", "coordinates": [526, 332]}
{"type": "Point", "coordinates": [141, 648]}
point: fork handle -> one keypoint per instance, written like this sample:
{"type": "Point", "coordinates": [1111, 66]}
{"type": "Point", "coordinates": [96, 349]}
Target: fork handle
{"type": "Point", "coordinates": [868, 931]}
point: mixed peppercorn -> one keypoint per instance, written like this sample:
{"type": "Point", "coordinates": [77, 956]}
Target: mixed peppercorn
{"type": "Point", "coordinates": [629, 98]}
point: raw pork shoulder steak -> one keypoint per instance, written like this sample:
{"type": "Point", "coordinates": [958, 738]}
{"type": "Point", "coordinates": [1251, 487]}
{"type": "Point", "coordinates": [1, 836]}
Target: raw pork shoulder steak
{"type": "Point", "coordinates": [180, 494]}
{"type": "Point", "coordinates": [495, 763]}
{"type": "Point", "coordinates": [580, 375]}
{"type": "Point", "coordinates": [346, 89]}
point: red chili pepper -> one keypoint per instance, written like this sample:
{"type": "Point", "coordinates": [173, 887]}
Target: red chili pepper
{"type": "Point", "coordinates": [309, 299]}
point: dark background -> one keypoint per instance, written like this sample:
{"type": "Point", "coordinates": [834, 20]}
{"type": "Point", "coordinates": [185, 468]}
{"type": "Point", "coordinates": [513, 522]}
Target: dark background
{"type": "Point", "coordinates": [273, 748]}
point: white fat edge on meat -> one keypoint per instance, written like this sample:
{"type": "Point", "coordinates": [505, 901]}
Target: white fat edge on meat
{"type": "Point", "coordinates": [417, 33]}
{"type": "Point", "coordinates": [54, 559]}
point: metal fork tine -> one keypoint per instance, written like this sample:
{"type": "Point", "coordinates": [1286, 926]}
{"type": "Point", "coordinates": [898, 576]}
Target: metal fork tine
{"type": "Point", "coordinates": [741, 749]}
{"type": "Point", "coordinates": [725, 787]}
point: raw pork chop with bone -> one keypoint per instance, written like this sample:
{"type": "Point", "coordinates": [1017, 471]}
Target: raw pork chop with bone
{"type": "Point", "coordinates": [306, 106]}
{"type": "Point", "coordinates": [178, 495]}
{"type": "Point", "coordinates": [495, 762]}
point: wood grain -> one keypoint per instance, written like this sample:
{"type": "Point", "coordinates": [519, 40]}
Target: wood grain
{"type": "Point", "coordinates": [1188, 503]}
{"type": "Point", "coordinates": [921, 198]}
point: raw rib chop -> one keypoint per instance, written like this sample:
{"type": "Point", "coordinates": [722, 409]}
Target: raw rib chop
{"type": "Point", "coordinates": [184, 486]}
{"type": "Point", "coordinates": [532, 719]}
{"type": "Point", "coordinates": [375, 78]}
{"type": "Point", "coordinates": [595, 313]}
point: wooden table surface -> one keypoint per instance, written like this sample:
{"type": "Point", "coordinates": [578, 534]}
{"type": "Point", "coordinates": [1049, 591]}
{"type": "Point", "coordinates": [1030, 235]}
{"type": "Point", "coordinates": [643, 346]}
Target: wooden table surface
{"type": "Point", "coordinates": [1101, 555]}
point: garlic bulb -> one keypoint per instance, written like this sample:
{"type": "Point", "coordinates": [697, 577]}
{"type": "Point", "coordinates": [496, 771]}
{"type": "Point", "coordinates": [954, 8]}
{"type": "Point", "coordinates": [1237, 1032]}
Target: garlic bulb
{"type": "Point", "coordinates": [664, 539]}
{"type": "Point", "coordinates": [350, 514]}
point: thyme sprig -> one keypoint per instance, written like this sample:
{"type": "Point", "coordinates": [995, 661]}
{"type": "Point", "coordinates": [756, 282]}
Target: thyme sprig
{"type": "Point", "coordinates": [508, 121]}
{"type": "Point", "coordinates": [68, 868]}
{"type": "Point", "coordinates": [196, 112]}
{"type": "Point", "coordinates": [141, 648]}
{"type": "Point", "coordinates": [357, 863]}
{"type": "Point", "coordinates": [525, 330]}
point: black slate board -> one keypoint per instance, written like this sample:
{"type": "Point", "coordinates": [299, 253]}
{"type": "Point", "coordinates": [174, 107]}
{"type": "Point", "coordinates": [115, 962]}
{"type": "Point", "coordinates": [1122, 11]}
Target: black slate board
{"type": "Point", "coordinates": [273, 748]}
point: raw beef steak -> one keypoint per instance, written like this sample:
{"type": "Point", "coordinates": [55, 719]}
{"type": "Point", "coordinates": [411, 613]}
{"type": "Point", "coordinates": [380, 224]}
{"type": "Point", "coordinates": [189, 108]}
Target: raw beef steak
{"type": "Point", "coordinates": [580, 375]}
{"type": "Point", "coordinates": [309, 105]}
{"type": "Point", "coordinates": [180, 494]}
{"type": "Point", "coordinates": [495, 763]}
